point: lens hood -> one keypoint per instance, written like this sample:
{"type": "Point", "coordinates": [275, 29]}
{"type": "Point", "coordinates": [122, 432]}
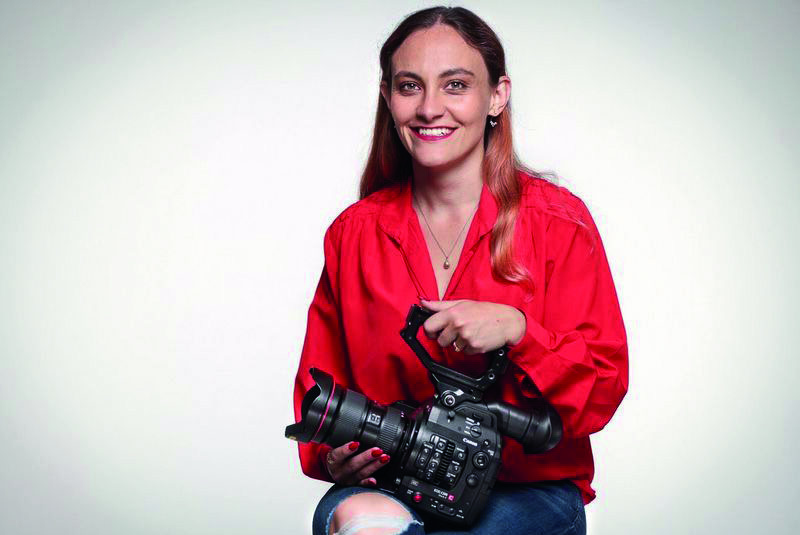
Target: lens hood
{"type": "Point", "coordinates": [316, 404]}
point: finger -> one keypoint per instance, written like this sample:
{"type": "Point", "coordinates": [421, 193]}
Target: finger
{"type": "Point", "coordinates": [436, 323]}
{"type": "Point", "coordinates": [436, 306]}
{"type": "Point", "coordinates": [370, 468]}
{"type": "Point", "coordinates": [448, 335]}
{"type": "Point", "coordinates": [357, 467]}
{"type": "Point", "coordinates": [469, 350]}
{"type": "Point", "coordinates": [340, 454]}
{"type": "Point", "coordinates": [369, 482]}
{"type": "Point", "coordinates": [357, 462]}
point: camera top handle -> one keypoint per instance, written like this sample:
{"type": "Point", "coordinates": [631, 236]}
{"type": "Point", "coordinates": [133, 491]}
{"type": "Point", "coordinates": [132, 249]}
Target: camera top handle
{"type": "Point", "coordinates": [538, 428]}
{"type": "Point", "coordinates": [451, 385]}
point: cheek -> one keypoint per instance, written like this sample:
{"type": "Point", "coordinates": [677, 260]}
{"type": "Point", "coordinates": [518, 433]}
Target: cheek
{"type": "Point", "coordinates": [403, 110]}
{"type": "Point", "coordinates": [472, 112]}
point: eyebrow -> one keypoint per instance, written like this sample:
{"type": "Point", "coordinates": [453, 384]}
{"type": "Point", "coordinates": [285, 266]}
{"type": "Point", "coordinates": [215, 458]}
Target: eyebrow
{"type": "Point", "coordinates": [444, 74]}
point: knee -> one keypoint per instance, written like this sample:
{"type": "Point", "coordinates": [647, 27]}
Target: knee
{"type": "Point", "coordinates": [370, 513]}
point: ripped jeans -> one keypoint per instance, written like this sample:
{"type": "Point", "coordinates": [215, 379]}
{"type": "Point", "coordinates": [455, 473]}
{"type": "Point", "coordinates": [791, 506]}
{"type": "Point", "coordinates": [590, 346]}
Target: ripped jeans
{"type": "Point", "coordinates": [541, 508]}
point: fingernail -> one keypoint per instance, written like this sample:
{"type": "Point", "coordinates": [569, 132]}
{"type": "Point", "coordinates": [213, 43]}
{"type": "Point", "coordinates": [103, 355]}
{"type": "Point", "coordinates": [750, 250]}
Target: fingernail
{"type": "Point", "coordinates": [377, 452]}
{"type": "Point", "coordinates": [371, 482]}
{"type": "Point", "coordinates": [384, 459]}
{"type": "Point", "coordinates": [353, 446]}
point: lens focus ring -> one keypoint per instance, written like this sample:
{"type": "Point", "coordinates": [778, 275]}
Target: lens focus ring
{"type": "Point", "coordinates": [348, 421]}
{"type": "Point", "coordinates": [390, 431]}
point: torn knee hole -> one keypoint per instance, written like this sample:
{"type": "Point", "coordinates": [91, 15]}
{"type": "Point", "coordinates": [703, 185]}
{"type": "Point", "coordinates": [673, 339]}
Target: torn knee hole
{"type": "Point", "coordinates": [370, 513]}
{"type": "Point", "coordinates": [376, 524]}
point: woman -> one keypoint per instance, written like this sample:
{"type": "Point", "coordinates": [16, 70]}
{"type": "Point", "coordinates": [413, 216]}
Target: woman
{"type": "Point", "coordinates": [449, 219]}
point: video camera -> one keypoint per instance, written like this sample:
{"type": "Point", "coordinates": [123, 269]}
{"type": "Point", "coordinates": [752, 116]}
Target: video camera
{"type": "Point", "coordinates": [445, 453]}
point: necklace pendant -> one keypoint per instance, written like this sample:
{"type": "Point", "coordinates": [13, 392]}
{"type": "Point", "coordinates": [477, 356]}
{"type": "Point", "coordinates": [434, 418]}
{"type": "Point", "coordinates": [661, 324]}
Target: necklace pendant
{"type": "Point", "coordinates": [446, 264]}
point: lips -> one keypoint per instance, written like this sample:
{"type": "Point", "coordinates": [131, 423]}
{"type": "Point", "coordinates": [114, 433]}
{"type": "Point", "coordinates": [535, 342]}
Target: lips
{"type": "Point", "coordinates": [429, 137]}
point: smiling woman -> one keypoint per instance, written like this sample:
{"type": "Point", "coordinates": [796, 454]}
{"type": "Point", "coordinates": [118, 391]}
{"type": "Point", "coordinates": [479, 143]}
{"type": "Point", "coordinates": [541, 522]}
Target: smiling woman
{"type": "Point", "coordinates": [451, 219]}
{"type": "Point", "coordinates": [430, 104]}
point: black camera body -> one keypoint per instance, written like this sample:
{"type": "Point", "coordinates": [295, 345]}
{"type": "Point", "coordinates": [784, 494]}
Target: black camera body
{"type": "Point", "coordinates": [452, 464]}
{"type": "Point", "coordinates": [445, 453]}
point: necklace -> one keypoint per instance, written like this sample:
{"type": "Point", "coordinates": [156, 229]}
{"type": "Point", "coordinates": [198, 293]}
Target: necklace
{"type": "Point", "coordinates": [446, 264]}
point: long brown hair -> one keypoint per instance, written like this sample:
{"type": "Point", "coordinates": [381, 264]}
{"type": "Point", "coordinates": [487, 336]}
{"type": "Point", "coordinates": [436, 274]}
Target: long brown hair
{"type": "Point", "coordinates": [389, 162]}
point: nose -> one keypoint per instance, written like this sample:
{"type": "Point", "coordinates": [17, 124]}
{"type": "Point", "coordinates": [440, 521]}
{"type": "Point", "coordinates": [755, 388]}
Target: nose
{"type": "Point", "coordinates": [430, 107]}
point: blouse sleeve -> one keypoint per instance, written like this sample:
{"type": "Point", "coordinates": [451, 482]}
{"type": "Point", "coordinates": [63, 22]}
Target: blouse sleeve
{"type": "Point", "coordinates": [323, 348]}
{"type": "Point", "coordinates": [577, 358]}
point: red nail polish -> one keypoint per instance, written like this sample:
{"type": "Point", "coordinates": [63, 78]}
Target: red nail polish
{"type": "Point", "coordinates": [353, 446]}
{"type": "Point", "coordinates": [384, 459]}
{"type": "Point", "coordinates": [377, 453]}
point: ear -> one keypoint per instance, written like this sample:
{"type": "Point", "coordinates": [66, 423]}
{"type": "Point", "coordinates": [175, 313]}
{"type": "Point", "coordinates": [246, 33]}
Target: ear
{"type": "Point", "coordinates": [500, 95]}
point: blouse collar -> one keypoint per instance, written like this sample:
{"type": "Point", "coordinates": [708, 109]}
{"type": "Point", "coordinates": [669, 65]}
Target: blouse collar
{"type": "Point", "coordinates": [397, 212]}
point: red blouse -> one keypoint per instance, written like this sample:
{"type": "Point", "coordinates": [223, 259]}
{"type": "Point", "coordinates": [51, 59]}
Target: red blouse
{"type": "Point", "coordinates": [574, 348]}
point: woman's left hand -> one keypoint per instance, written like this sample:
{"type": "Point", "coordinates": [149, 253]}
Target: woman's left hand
{"type": "Point", "coordinates": [475, 326]}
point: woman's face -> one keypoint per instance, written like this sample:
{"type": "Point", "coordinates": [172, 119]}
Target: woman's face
{"type": "Point", "coordinates": [440, 81]}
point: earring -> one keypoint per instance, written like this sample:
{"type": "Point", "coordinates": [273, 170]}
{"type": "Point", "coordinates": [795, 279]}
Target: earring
{"type": "Point", "coordinates": [492, 123]}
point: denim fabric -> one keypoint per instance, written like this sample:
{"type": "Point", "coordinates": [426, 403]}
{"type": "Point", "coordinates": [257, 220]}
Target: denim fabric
{"type": "Point", "coordinates": [543, 508]}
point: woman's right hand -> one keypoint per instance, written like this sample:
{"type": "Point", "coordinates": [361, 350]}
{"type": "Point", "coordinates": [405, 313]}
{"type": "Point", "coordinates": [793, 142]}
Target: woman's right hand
{"type": "Point", "coordinates": [347, 468]}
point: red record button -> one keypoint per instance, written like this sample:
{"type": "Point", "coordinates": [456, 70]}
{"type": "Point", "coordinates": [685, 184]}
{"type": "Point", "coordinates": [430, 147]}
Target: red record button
{"type": "Point", "coordinates": [417, 497]}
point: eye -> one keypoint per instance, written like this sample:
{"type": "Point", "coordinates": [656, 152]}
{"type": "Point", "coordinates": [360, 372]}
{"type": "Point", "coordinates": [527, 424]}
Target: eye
{"type": "Point", "coordinates": [403, 86]}
{"type": "Point", "coordinates": [458, 84]}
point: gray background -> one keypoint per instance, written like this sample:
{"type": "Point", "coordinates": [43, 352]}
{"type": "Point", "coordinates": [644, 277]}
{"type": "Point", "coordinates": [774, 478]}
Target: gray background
{"type": "Point", "coordinates": [167, 171]}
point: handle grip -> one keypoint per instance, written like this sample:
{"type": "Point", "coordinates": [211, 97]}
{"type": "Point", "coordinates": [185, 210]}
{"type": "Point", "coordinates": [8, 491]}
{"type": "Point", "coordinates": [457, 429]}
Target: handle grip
{"type": "Point", "coordinates": [443, 377]}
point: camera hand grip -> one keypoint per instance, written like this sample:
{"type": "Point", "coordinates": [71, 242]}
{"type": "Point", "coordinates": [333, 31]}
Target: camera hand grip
{"type": "Point", "coordinates": [443, 376]}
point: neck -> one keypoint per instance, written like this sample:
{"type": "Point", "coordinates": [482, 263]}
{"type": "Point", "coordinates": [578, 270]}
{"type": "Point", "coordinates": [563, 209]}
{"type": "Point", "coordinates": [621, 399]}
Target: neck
{"type": "Point", "coordinates": [456, 188]}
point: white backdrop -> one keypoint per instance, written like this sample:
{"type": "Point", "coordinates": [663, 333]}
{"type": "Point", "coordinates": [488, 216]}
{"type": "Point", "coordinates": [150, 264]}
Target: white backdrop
{"type": "Point", "coordinates": [167, 171]}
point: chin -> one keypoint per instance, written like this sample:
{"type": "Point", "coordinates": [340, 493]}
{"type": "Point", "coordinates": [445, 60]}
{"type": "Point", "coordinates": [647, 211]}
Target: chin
{"type": "Point", "coordinates": [435, 158]}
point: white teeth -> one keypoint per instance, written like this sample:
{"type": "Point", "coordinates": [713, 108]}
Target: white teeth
{"type": "Point", "coordinates": [435, 131]}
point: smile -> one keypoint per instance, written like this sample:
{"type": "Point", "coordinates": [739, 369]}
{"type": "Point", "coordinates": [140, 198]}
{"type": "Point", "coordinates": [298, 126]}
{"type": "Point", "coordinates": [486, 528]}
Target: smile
{"type": "Point", "coordinates": [432, 134]}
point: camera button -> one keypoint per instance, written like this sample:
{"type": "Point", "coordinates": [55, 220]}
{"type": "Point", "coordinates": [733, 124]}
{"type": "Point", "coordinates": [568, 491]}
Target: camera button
{"type": "Point", "coordinates": [480, 460]}
{"type": "Point", "coordinates": [472, 480]}
{"type": "Point", "coordinates": [446, 509]}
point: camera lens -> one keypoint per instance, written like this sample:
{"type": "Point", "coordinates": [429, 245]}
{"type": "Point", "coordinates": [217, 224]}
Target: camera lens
{"type": "Point", "coordinates": [334, 415]}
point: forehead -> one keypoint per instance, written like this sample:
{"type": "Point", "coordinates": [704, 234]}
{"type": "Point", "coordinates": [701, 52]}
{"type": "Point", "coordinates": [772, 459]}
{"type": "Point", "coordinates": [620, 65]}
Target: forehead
{"type": "Point", "coordinates": [432, 50]}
